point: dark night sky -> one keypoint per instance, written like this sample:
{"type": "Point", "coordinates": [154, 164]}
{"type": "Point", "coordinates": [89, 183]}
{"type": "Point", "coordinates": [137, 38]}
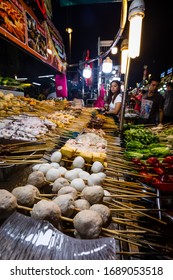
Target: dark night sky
{"type": "Point", "coordinates": [103, 20]}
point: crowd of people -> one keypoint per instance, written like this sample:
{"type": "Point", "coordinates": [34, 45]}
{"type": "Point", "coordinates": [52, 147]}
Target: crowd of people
{"type": "Point", "coordinates": [152, 107]}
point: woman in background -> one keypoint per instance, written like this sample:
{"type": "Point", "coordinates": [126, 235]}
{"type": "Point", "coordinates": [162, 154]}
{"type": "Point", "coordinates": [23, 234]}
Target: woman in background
{"type": "Point", "coordinates": [114, 100]}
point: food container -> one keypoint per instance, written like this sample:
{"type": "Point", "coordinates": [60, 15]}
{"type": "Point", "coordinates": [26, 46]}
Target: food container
{"type": "Point", "coordinates": [168, 187]}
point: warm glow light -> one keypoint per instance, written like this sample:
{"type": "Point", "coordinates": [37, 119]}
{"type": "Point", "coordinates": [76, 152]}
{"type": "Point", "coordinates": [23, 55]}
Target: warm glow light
{"type": "Point", "coordinates": [114, 50]}
{"type": "Point", "coordinates": [107, 65]}
{"type": "Point", "coordinates": [87, 72]}
{"type": "Point", "coordinates": [135, 36]}
{"type": "Point", "coordinates": [136, 14]}
{"type": "Point", "coordinates": [69, 30]}
{"type": "Point", "coordinates": [124, 55]}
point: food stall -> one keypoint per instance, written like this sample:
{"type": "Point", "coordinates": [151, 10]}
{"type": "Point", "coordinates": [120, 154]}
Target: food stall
{"type": "Point", "coordinates": [63, 167]}
{"type": "Point", "coordinates": [81, 158]}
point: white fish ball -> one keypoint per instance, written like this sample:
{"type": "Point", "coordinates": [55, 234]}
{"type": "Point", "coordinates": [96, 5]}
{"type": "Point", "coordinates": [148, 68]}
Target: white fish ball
{"type": "Point", "coordinates": [56, 156]}
{"type": "Point", "coordinates": [97, 166]}
{"type": "Point", "coordinates": [71, 174]}
{"type": "Point", "coordinates": [44, 167]}
{"type": "Point", "coordinates": [83, 175]}
{"type": "Point", "coordinates": [36, 167]}
{"type": "Point", "coordinates": [55, 164]}
{"type": "Point", "coordinates": [62, 170]}
{"type": "Point", "coordinates": [94, 179]}
{"type": "Point", "coordinates": [52, 174]}
{"type": "Point", "coordinates": [78, 162]}
{"type": "Point", "coordinates": [78, 184]}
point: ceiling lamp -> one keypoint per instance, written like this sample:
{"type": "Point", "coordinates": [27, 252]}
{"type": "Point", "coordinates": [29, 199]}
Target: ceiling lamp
{"type": "Point", "coordinates": [136, 14]}
{"type": "Point", "coordinates": [124, 55]}
{"type": "Point", "coordinates": [87, 72]}
{"type": "Point", "coordinates": [107, 65]}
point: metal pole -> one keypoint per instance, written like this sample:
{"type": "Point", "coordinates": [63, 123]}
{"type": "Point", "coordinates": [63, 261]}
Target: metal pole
{"type": "Point", "coordinates": [124, 95]}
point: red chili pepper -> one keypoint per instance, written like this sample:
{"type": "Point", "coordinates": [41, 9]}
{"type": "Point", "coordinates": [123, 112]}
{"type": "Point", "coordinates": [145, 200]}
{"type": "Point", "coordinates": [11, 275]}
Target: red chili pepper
{"type": "Point", "coordinates": [143, 168]}
{"type": "Point", "coordinates": [137, 161]}
{"type": "Point", "coordinates": [155, 181]}
{"type": "Point", "coordinates": [146, 177]}
{"type": "Point", "coordinates": [168, 159]}
{"type": "Point", "coordinates": [152, 160]}
{"type": "Point", "coordinates": [159, 170]}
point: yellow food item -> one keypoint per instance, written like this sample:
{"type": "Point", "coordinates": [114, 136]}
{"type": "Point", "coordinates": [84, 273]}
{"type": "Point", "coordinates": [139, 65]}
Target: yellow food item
{"type": "Point", "coordinates": [67, 151]}
{"type": "Point", "coordinates": [99, 157]}
{"type": "Point", "coordinates": [87, 156]}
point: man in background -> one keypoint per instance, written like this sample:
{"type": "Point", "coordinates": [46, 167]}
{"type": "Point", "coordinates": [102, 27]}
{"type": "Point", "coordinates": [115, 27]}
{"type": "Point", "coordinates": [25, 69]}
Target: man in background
{"type": "Point", "coordinates": [168, 104]}
{"type": "Point", "coordinates": [152, 103]}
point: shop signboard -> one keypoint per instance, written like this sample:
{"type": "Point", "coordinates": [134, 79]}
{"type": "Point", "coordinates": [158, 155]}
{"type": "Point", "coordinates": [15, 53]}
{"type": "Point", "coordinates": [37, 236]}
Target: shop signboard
{"type": "Point", "coordinates": [19, 24]}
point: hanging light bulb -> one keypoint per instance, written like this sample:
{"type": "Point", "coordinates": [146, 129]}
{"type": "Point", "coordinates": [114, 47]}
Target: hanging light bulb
{"type": "Point", "coordinates": [124, 55]}
{"type": "Point", "coordinates": [87, 72]}
{"type": "Point", "coordinates": [136, 14]}
{"type": "Point", "coordinates": [114, 50]}
{"type": "Point", "coordinates": [107, 65]}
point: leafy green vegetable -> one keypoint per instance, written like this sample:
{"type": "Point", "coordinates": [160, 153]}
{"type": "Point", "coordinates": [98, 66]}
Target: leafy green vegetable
{"type": "Point", "coordinates": [132, 154]}
{"type": "Point", "coordinates": [160, 151]}
{"type": "Point", "coordinates": [155, 145]}
{"type": "Point", "coordinates": [134, 145]}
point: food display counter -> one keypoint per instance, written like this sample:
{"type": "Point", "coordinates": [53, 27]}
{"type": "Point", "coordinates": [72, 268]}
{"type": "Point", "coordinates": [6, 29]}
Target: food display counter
{"type": "Point", "coordinates": [79, 173]}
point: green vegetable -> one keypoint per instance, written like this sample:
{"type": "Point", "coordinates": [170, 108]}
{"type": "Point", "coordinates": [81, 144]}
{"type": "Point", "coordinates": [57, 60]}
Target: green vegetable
{"type": "Point", "coordinates": [155, 145]}
{"type": "Point", "coordinates": [132, 154]}
{"type": "Point", "coordinates": [133, 145]}
{"type": "Point", "coordinates": [160, 151]}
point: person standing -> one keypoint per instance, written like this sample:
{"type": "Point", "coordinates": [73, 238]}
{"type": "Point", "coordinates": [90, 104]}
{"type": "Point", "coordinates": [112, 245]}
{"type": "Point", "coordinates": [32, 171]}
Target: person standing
{"type": "Point", "coordinates": [114, 100]}
{"type": "Point", "coordinates": [152, 102]}
{"type": "Point", "coordinates": [168, 104]}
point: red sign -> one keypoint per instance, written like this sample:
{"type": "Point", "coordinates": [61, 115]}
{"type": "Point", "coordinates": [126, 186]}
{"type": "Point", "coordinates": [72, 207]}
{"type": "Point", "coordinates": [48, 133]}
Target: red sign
{"type": "Point", "coordinates": [19, 24]}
